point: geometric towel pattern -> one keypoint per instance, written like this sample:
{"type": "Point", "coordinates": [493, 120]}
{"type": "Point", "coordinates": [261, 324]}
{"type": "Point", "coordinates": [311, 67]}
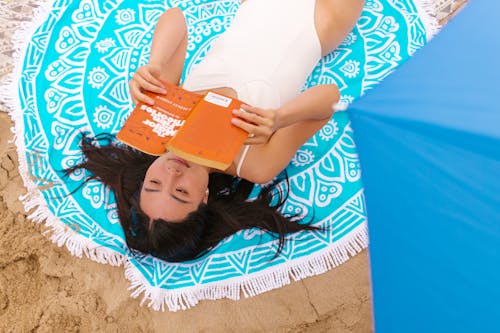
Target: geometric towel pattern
{"type": "Point", "coordinates": [75, 78]}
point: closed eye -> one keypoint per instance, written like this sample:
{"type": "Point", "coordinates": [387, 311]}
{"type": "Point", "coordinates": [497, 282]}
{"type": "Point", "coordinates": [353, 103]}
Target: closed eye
{"type": "Point", "coordinates": [154, 186]}
{"type": "Point", "coordinates": [181, 190]}
{"type": "Point", "coordinates": [179, 199]}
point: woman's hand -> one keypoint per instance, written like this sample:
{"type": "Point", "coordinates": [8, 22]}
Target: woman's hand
{"type": "Point", "coordinates": [146, 79]}
{"type": "Point", "coordinates": [259, 123]}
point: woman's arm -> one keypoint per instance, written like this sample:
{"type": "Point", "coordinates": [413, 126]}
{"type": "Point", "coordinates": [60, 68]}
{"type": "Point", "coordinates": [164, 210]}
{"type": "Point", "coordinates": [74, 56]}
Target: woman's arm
{"type": "Point", "coordinates": [313, 104]}
{"type": "Point", "coordinates": [303, 117]}
{"type": "Point", "coordinates": [166, 61]}
{"type": "Point", "coordinates": [168, 47]}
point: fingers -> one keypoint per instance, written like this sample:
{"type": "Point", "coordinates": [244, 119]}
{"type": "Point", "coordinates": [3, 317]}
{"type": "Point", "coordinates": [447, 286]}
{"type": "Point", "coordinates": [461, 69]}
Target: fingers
{"type": "Point", "coordinates": [151, 73]}
{"type": "Point", "coordinates": [252, 109]}
{"type": "Point", "coordinates": [257, 112]}
{"type": "Point", "coordinates": [259, 123]}
{"type": "Point", "coordinates": [257, 134]}
{"type": "Point", "coordinates": [147, 81]}
{"type": "Point", "coordinates": [146, 84]}
{"type": "Point", "coordinates": [254, 115]}
{"type": "Point", "coordinates": [144, 80]}
{"type": "Point", "coordinates": [137, 94]}
{"type": "Point", "coordinates": [254, 141]}
{"type": "Point", "coordinates": [250, 128]}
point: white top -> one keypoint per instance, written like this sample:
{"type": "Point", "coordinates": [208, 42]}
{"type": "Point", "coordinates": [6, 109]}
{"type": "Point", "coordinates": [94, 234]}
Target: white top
{"type": "Point", "coordinates": [265, 55]}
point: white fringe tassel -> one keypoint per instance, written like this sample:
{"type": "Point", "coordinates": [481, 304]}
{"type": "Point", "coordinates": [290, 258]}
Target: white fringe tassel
{"type": "Point", "coordinates": [33, 200]}
{"type": "Point", "coordinates": [427, 13]}
{"type": "Point", "coordinates": [251, 285]}
{"type": "Point", "coordinates": [157, 298]}
{"type": "Point", "coordinates": [20, 41]}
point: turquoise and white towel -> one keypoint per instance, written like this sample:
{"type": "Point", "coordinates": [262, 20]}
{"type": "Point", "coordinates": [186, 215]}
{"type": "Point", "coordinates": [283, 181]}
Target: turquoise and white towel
{"type": "Point", "coordinates": [74, 77]}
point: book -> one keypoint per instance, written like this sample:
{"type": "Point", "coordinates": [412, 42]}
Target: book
{"type": "Point", "coordinates": [195, 127]}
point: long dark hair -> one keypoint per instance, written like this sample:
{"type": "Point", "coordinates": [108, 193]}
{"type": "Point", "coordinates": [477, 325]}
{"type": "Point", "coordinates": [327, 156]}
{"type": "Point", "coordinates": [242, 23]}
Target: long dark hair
{"type": "Point", "coordinates": [227, 211]}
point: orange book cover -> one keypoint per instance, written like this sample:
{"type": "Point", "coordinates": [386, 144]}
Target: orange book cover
{"type": "Point", "coordinates": [149, 127]}
{"type": "Point", "coordinates": [208, 137]}
{"type": "Point", "coordinates": [194, 127]}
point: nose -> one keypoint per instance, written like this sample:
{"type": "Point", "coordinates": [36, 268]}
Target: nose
{"type": "Point", "coordinates": [174, 169]}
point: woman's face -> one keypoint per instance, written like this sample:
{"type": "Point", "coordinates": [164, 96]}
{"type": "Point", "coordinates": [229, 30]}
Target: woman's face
{"type": "Point", "coordinates": [173, 188]}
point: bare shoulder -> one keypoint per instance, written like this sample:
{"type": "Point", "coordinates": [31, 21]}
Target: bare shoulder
{"type": "Point", "coordinates": [173, 17]}
{"type": "Point", "coordinates": [232, 169]}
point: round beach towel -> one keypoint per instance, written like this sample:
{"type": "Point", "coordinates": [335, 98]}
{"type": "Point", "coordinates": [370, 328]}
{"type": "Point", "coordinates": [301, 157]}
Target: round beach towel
{"type": "Point", "coordinates": [74, 79]}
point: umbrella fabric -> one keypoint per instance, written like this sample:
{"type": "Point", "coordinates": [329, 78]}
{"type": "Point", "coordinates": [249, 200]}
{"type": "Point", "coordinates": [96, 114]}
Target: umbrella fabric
{"type": "Point", "coordinates": [75, 78]}
{"type": "Point", "coordinates": [429, 144]}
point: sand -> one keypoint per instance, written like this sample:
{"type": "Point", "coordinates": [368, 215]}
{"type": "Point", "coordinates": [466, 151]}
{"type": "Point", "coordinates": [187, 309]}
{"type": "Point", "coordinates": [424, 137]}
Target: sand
{"type": "Point", "coordinates": [45, 289]}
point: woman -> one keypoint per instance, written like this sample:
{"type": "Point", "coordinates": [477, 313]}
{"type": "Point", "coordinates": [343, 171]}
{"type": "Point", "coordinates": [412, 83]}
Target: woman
{"type": "Point", "coordinates": [176, 209]}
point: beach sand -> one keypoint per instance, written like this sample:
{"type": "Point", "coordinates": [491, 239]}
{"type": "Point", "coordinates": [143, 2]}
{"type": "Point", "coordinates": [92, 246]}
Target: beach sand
{"type": "Point", "coordinates": [45, 289]}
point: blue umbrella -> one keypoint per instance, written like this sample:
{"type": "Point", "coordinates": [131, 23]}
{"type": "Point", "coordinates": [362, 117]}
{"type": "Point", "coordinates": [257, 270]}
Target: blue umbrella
{"type": "Point", "coordinates": [429, 144]}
